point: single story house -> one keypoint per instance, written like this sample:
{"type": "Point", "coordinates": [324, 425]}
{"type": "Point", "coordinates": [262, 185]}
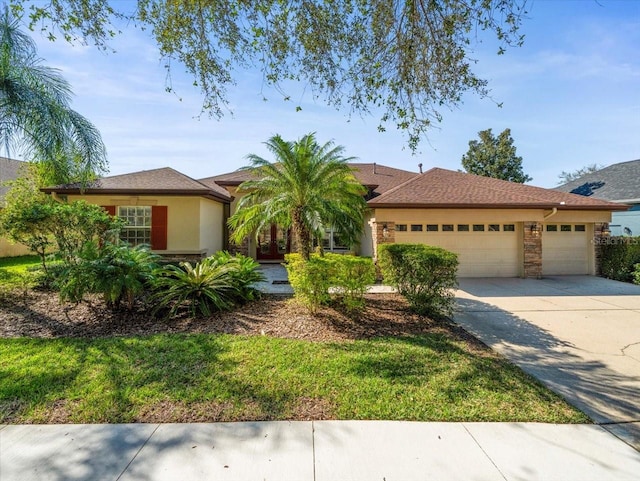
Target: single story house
{"type": "Point", "coordinates": [497, 228]}
{"type": "Point", "coordinates": [618, 183]}
{"type": "Point", "coordinates": [9, 170]}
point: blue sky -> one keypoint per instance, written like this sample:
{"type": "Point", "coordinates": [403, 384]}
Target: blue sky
{"type": "Point", "coordinates": [571, 96]}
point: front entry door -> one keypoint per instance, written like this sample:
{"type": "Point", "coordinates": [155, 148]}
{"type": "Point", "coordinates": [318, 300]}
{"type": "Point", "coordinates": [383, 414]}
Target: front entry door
{"type": "Point", "coordinates": [273, 243]}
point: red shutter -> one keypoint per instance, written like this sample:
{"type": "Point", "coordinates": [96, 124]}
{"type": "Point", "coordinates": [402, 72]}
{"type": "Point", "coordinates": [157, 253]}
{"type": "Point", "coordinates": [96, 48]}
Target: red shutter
{"type": "Point", "coordinates": [111, 209]}
{"type": "Point", "coordinates": [159, 227]}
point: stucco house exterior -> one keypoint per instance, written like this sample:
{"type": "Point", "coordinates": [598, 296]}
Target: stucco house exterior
{"type": "Point", "coordinates": [175, 214]}
{"type": "Point", "coordinates": [497, 228]}
{"type": "Point", "coordinates": [618, 183]}
{"type": "Point", "coordinates": [9, 170]}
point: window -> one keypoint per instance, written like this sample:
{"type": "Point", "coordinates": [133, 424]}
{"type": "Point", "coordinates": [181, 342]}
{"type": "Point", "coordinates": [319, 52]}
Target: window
{"type": "Point", "coordinates": [447, 227]}
{"type": "Point", "coordinates": [331, 241]}
{"type": "Point", "coordinates": [494, 227]}
{"type": "Point", "coordinates": [565, 228]}
{"type": "Point", "coordinates": [478, 227]}
{"type": "Point", "coordinates": [401, 227]}
{"type": "Point", "coordinates": [579, 228]}
{"type": "Point", "coordinates": [463, 227]}
{"type": "Point", "coordinates": [137, 229]}
{"type": "Point", "coordinates": [552, 228]}
{"type": "Point", "coordinates": [432, 227]}
{"type": "Point", "coordinates": [509, 228]}
{"type": "Point", "coordinates": [416, 227]}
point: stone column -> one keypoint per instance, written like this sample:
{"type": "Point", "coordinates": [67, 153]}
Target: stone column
{"type": "Point", "coordinates": [384, 232]}
{"type": "Point", "coordinates": [600, 236]}
{"type": "Point", "coordinates": [533, 250]}
{"type": "Point", "coordinates": [242, 248]}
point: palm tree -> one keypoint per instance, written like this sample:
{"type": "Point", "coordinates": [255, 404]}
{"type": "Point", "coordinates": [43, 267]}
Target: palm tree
{"type": "Point", "coordinates": [35, 113]}
{"type": "Point", "coordinates": [309, 187]}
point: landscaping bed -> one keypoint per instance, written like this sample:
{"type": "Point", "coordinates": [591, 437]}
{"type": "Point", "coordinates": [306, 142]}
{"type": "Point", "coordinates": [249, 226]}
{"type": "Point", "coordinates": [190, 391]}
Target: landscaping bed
{"type": "Point", "coordinates": [267, 360]}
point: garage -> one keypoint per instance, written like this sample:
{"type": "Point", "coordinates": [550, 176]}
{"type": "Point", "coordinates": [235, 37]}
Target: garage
{"type": "Point", "coordinates": [484, 250]}
{"type": "Point", "coordinates": [566, 249]}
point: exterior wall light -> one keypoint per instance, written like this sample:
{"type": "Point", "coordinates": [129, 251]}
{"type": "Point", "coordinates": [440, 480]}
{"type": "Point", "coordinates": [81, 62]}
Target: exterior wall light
{"type": "Point", "coordinates": [385, 231]}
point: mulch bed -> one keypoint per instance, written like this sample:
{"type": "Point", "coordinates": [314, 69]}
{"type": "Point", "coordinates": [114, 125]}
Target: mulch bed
{"type": "Point", "coordinates": [41, 315]}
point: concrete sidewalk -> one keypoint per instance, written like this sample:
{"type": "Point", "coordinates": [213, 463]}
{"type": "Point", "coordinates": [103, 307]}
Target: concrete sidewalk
{"type": "Point", "coordinates": [315, 451]}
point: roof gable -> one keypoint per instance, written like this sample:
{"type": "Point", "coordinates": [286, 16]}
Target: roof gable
{"type": "Point", "coordinates": [445, 188]}
{"type": "Point", "coordinates": [617, 182]}
{"type": "Point", "coordinates": [165, 180]}
{"type": "Point", "coordinates": [379, 178]}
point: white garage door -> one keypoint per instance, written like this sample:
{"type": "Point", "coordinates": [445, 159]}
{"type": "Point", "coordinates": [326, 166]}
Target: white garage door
{"type": "Point", "coordinates": [484, 250]}
{"type": "Point", "coordinates": [565, 250]}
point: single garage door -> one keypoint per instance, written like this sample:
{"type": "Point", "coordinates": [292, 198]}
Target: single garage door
{"type": "Point", "coordinates": [484, 250]}
{"type": "Point", "coordinates": [565, 250]}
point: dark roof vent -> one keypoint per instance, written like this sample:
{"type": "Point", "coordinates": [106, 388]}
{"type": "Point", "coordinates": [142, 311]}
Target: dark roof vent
{"type": "Point", "coordinates": [374, 168]}
{"type": "Point", "coordinates": [420, 167]}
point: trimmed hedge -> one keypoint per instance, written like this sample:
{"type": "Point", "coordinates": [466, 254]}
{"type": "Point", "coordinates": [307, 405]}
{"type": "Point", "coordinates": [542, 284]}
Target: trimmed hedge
{"type": "Point", "coordinates": [425, 275]}
{"type": "Point", "coordinates": [331, 277]}
{"type": "Point", "coordinates": [619, 257]}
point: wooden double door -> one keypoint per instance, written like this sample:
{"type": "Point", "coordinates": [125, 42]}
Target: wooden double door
{"type": "Point", "coordinates": [273, 243]}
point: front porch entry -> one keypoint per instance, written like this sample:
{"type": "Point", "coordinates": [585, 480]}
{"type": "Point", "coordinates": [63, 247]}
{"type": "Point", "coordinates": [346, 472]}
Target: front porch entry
{"type": "Point", "coordinates": [273, 243]}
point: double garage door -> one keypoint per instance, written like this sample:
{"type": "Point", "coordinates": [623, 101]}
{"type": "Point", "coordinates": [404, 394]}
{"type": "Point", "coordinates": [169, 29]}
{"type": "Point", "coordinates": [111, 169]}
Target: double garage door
{"type": "Point", "coordinates": [496, 250]}
{"type": "Point", "coordinates": [484, 250]}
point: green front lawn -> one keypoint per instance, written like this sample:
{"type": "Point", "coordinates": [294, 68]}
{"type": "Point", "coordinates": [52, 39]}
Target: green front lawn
{"type": "Point", "coordinates": [13, 271]}
{"type": "Point", "coordinates": [190, 377]}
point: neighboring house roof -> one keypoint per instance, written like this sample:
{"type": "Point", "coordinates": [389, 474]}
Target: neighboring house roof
{"type": "Point", "coordinates": [441, 188]}
{"type": "Point", "coordinates": [164, 181]}
{"type": "Point", "coordinates": [618, 182]}
{"type": "Point", "coordinates": [378, 178]}
{"type": "Point", "coordinates": [9, 170]}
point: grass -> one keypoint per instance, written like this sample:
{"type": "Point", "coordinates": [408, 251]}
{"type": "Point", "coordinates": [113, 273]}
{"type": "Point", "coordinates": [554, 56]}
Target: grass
{"type": "Point", "coordinates": [177, 378]}
{"type": "Point", "coordinates": [14, 271]}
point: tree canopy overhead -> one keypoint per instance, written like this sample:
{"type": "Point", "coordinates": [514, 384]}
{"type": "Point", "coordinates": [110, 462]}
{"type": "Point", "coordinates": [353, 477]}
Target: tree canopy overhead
{"type": "Point", "coordinates": [407, 59]}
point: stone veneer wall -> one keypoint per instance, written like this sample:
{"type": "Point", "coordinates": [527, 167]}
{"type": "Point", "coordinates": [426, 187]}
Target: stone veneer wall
{"type": "Point", "coordinates": [598, 236]}
{"type": "Point", "coordinates": [533, 250]}
{"type": "Point", "coordinates": [378, 235]}
{"type": "Point", "coordinates": [242, 248]}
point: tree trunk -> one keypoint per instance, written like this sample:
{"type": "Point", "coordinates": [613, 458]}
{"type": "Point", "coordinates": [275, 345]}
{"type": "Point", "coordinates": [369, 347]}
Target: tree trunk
{"type": "Point", "coordinates": [302, 234]}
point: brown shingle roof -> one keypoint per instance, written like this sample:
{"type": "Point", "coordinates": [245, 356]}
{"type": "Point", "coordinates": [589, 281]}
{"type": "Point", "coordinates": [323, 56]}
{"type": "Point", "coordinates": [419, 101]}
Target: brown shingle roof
{"type": "Point", "coordinates": [165, 181]}
{"type": "Point", "coordinates": [446, 188]}
{"type": "Point", "coordinates": [379, 178]}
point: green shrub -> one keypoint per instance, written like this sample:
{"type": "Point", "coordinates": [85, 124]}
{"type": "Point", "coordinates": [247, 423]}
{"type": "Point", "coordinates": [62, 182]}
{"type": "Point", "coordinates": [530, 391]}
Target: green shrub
{"type": "Point", "coordinates": [636, 274]}
{"type": "Point", "coordinates": [424, 275]}
{"type": "Point", "coordinates": [119, 272]}
{"type": "Point", "coordinates": [327, 277]}
{"type": "Point", "coordinates": [244, 274]}
{"type": "Point", "coordinates": [618, 257]}
{"type": "Point", "coordinates": [310, 279]}
{"type": "Point", "coordinates": [122, 273]}
{"type": "Point", "coordinates": [351, 277]}
{"type": "Point", "coordinates": [216, 283]}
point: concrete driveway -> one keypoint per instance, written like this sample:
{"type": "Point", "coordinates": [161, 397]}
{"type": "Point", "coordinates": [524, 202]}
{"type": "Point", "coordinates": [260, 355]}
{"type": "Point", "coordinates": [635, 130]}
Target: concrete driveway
{"type": "Point", "coordinates": [579, 335]}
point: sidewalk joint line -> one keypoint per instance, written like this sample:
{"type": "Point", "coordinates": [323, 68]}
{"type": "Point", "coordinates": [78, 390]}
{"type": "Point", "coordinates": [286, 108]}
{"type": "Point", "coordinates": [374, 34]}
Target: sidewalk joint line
{"type": "Point", "coordinates": [485, 453]}
{"type": "Point", "coordinates": [313, 448]}
{"type": "Point", "coordinates": [137, 452]}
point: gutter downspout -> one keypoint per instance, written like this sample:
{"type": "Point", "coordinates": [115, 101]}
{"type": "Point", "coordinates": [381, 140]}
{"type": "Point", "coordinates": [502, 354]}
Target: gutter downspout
{"type": "Point", "coordinates": [56, 197]}
{"type": "Point", "coordinates": [553, 212]}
